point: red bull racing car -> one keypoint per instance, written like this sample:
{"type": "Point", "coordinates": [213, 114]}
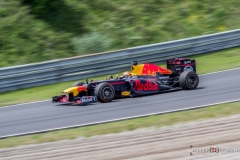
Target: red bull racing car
{"type": "Point", "coordinates": [143, 79]}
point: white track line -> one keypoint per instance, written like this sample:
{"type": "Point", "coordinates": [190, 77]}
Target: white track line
{"type": "Point", "coordinates": [50, 99]}
{"type": "Point", "coordinates": [119, 119]}
{"type": "Point", "coordinates": [24, 103]}
{"type": "Point", "coordinates": [219, 71]}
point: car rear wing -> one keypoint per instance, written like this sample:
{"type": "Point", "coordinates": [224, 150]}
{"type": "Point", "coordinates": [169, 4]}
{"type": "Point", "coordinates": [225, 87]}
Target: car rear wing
{"type": "Point", "coordinates": [179, 65]}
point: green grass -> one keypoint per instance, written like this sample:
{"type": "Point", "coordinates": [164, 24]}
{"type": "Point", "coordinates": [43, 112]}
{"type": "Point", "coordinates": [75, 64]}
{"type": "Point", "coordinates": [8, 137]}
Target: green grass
{"type": "Point", "coordinates": [205, 63]}
{"type": "Point", "coordinates": [126, 125]}
{"type": "Point", "coordinates": [57, 29]}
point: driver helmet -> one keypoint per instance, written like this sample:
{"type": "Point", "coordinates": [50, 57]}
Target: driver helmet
{"type": "Point", "coordinates": [127, 74]}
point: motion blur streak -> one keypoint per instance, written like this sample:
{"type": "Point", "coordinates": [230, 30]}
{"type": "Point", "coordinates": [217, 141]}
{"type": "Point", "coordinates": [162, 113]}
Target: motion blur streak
{"type": "Point", "coordinates": [213, 88]}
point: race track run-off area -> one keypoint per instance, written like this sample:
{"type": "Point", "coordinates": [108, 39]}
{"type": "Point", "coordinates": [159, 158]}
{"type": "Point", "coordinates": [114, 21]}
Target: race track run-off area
{"type": "Point", "coordinates": [168, 143]}
{"type": "Point", "coordinates": [213, 88]}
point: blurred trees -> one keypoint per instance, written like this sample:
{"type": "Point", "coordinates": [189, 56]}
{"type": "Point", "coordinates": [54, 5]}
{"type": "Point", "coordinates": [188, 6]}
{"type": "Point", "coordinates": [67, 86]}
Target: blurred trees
{"type": "Point", "coordinates": [42, 7]}
{"type": "Point", "coordinates": [58, 14]}
{"type": "Point", "coordinates": [39, 30]}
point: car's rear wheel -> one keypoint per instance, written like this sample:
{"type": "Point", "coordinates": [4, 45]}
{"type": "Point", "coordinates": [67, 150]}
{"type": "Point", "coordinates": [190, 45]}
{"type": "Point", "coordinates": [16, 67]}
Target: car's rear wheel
{"type": "Point", "coordinates": [104, 92]}
{"type": "Point", "coordinates": [188, 80]}
{"type": "Point", "coordinates": [77, 84]}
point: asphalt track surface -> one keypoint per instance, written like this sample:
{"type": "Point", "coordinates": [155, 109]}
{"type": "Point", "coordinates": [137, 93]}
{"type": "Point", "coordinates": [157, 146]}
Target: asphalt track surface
{"type": "Point", "coordinates": [213, 88]}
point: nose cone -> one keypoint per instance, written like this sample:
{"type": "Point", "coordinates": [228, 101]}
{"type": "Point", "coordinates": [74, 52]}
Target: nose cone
{"type": "Point", "coordinates": [72, 89]}
{"type": "Point", "coordinates": [75, 90]}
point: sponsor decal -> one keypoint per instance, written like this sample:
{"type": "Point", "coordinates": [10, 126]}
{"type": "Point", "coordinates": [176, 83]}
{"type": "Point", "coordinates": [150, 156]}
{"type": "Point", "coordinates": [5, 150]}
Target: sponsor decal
{"type": "Point", "coordinates": [165, 77]}
{"type": "Point", "coordinates": [188, 68]}
{"type": "Point", "coordinates": [125, 93]}
{"type": "Point", "coordinates": [148, 86]}
{"type": "Point", "coordinates": [87, 99]}
{"type": "Point", "coordinates": [187, 62]}
{"type": "Point", "coordinates": [151, 69]}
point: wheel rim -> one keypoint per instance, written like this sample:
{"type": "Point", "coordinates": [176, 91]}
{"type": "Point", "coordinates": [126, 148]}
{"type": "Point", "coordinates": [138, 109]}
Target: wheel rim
{"type": "Point", "coordinates": [192, 80]}
{"type": "Point", "coordinates": [107, 92]}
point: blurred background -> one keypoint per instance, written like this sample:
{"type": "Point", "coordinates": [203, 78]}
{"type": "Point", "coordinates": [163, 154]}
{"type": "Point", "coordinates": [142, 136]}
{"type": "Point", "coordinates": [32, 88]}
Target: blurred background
{"type": "Point", "coordinates": [40, 30]}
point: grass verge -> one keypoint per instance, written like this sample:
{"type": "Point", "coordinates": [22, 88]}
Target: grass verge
{"type": "Point", "coordinates": [126, 125]}
{"type": "Point", "coordinates": [206, 63]}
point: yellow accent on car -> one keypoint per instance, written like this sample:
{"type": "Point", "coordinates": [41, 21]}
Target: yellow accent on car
{"type": "Point", "coordinates": [137, 69]}
{"type": "Point", "coordinates": [74, 90]}
{"type": "Point", "coordinates": [125, 93]}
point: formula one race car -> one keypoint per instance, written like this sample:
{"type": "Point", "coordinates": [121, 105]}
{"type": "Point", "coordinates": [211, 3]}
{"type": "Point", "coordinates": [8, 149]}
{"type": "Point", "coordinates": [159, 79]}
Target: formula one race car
{"type": "Point", "coordinates": [144, 79]}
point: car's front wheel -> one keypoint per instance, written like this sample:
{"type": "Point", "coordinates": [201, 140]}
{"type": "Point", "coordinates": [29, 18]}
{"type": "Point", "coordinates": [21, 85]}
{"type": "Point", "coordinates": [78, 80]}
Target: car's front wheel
{"type": "Point", "coordinates": [104, 92]}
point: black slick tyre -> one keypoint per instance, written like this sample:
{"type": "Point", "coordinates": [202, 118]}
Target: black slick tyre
{"type": "Point", "coordinates": [188, 80]}
{"type": "Point", "coordinates": [104, 92]}
{"type": "Point", "coordinates": [77, 84]}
